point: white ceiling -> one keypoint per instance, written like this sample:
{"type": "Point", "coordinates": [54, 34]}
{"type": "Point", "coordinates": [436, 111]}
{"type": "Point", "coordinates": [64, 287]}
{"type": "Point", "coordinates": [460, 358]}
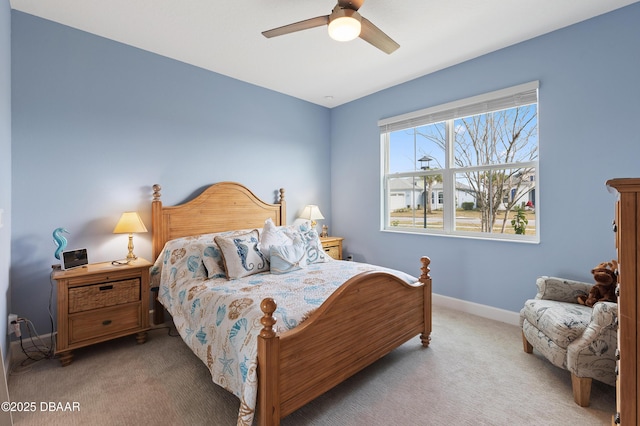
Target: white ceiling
{"type": "Point", "coordinates": [225, 36]}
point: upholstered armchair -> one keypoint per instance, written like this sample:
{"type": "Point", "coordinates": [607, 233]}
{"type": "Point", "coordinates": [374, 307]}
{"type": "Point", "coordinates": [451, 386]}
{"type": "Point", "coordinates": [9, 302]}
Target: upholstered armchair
{"type": "Point", "coordinates": [571, 336]}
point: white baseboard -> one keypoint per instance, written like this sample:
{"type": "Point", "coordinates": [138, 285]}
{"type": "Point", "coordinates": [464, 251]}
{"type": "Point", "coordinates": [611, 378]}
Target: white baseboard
{"type": "Point", "coordinates": [484, 311]}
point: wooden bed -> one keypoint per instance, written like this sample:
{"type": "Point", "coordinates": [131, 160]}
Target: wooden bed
{"type": "Point", "coordinates": [366, 318]}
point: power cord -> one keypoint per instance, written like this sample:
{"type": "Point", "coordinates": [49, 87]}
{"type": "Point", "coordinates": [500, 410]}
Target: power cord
{"type": "Point", "coordinates": [38, 349]}
{"type": "Point", "coordinates": [51, 313]}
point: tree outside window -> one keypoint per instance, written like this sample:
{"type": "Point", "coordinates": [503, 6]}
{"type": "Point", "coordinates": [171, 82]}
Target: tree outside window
{"type": "Point", "coordinates": [487, 161]}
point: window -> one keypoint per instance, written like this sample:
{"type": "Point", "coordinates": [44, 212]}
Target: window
{"type": "Point", "coordinates": [466, 168]}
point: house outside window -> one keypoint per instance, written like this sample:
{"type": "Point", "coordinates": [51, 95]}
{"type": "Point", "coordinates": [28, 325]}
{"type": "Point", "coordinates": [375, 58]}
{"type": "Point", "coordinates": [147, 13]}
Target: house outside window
{"type": "Point", "coordinates": [466, 168]}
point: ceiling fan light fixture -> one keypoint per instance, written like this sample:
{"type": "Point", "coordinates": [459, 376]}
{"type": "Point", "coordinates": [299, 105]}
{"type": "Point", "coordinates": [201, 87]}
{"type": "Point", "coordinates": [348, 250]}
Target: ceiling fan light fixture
{"type": "Point", "coordinates": [344, 24]}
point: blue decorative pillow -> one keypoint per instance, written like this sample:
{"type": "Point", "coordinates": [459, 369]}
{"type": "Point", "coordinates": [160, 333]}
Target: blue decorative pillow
{"type": "Point", "coordinates": [241, 254]}
{"type": "Point", "coordinates": [211, 255]}
{"type": "Point", "coordinates": [288, 258]}
{"type": "Point", "coordinates": [311, 240]}
{"type": "Point", "coordinates": [212, 260]}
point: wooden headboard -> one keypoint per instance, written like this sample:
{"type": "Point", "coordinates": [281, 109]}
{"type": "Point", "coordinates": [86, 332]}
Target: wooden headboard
{"type": "Point", "coordinates": [221, 207]}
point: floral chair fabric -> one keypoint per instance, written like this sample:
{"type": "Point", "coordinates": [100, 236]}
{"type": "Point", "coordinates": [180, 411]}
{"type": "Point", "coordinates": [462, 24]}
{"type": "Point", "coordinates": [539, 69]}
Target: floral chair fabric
{"type": "Point", "coordinates": [572, 336]}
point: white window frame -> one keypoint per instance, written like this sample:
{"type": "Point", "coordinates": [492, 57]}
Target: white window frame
{"type": "Point", "coordinates": [524, 94]}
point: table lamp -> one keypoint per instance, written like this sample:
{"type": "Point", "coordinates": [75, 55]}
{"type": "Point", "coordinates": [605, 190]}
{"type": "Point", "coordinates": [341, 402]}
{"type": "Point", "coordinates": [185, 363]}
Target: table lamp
{"type": "Point", "coordinates": [129, 223]}
{"type": "Point", "coordinates": [311, 212]}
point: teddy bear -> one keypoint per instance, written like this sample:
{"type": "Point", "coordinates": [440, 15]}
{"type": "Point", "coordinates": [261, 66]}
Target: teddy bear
{"type": "Point", "coordinates": [604, 289]}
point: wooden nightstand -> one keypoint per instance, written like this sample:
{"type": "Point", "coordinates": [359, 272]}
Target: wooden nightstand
{"type": "Point", "coordinates": [332, 246]}
{"type": "Point", "coordinates": [100, 302]}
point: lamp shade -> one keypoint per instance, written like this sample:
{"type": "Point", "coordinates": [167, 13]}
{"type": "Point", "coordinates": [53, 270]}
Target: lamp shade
{"type": "Point", "coordinates": [344, 24]}
{"type": "Point", "coordinates": [311, 212]}
{"type": "Point", "coordinates": [129, 223]}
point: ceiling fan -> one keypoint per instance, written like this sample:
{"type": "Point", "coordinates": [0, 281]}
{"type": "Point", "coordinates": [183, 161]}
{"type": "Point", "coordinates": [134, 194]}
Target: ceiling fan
{"type": "Point", "coordinates": [345, 23]}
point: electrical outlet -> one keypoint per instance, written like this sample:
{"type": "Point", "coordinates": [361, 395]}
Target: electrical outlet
{"type": "Point", "coordinates": [11, 327]}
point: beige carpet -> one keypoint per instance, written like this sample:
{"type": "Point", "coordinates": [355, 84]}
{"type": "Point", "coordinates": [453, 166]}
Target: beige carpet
{"type": "Point", "coordinates": [474, 373]}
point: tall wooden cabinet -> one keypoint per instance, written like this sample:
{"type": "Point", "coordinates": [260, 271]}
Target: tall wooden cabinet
{"type": "Point", "coordinates": [627, 228]}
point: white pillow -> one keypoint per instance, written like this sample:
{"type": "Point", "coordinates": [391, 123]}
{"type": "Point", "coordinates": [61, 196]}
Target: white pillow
{"type": "Point", "coordinates": [241, 254]}
{"type": "Point", "coordinates": [288, 258]}
{"type": "Point", "coordinates": [272, 235]}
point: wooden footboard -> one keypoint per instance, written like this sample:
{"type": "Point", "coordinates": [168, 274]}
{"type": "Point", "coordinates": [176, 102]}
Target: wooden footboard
{"type": "Point", "coordinates": [365, 319]}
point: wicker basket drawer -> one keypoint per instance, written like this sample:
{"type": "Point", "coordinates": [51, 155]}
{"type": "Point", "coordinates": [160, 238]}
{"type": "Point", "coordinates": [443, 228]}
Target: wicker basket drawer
{"type": "Point", "coordinates": [94, 324]}
{"type": "Point", "coordinates": [104, 294]}
{"type": "Point", "coordinates": [333, 251]}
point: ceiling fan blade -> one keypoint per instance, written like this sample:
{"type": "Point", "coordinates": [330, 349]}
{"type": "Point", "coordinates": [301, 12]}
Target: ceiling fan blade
{"type": "Point", "coordinates": [374, 36]}
{"type": "Point", "coordinates": [298, 26]}
{"type": "Point", "coordinates": [350, 4]}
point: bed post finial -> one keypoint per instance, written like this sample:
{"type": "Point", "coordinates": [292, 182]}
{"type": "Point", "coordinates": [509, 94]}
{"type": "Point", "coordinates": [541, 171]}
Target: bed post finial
{"type": "Point", "coordinates": [425, 279]}
{"type": "Point", "coordinates": [156, 192]}
{"type": "Point", "coordinates": [268, 307]}
{"type": "Point", "coordinates": [283, 208]}
{"type": "Point", "coordinates": [425, 268]}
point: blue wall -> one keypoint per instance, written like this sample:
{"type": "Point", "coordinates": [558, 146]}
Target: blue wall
{"type": "Point", "coordinates": [5, 165]}
{"type": "Point", "coordinates": [589, 104]}
{"type": "Point", "coordinates": [96, 123]}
